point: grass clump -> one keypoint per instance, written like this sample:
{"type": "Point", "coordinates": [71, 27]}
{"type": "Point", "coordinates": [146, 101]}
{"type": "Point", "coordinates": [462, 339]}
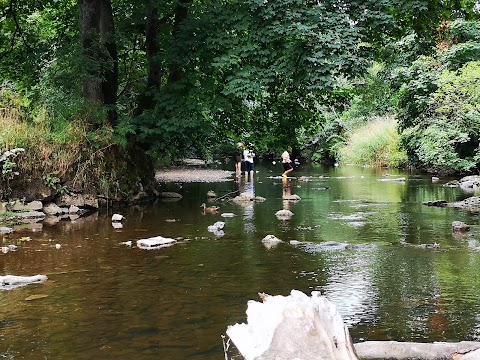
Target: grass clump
{"type": "Point", "coordinates": [375, 144]}
{"type": "Point", "coordinates": [63, 156]}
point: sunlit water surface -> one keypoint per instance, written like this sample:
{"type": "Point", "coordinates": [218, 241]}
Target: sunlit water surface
{"type": "Point", "coordinates": [106, 300]}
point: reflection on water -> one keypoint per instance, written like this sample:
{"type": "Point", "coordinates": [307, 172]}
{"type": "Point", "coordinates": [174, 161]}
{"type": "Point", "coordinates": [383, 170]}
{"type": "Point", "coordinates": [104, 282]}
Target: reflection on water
{"type": "Point", "coordinates": [106, 300]}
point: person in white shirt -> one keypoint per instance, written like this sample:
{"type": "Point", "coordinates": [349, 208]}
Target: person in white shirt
{"type": "Point", "coordinates": [286, 162]}
{"type": "Point", "coordinates": [248, 155]}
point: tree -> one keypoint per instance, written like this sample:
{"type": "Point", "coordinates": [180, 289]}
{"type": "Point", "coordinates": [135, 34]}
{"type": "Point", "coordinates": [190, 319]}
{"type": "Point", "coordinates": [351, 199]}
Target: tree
{"type": "Point", "coordinates": [97, 34]}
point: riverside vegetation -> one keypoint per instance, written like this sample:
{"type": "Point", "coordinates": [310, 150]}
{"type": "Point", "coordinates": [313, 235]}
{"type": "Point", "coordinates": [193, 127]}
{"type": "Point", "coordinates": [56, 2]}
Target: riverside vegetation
{"type": "Point", "coordinates": [98, 93]}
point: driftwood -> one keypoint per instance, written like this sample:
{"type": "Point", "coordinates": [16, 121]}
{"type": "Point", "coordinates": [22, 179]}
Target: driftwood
{"type": "Point", "coordinates": [379, 350]}
{"type": "Point", "coordinates": [292, 327]}
{"type": "Point", "coordinates": [299, 327]}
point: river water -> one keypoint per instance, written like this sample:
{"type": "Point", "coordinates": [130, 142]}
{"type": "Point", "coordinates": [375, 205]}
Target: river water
{"type": "Point", "coordinates": [106, 300]}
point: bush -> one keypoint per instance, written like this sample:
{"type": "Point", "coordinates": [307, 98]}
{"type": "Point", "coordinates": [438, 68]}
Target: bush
{"type": "Point", "coordinates": [375, 144]}
{"type": "Point", "coordinates": [446, 138]}
{"type": "Point", "coordinates": [437, 146]}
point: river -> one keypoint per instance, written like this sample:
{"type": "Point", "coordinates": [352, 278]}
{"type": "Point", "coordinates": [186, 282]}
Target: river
{"type": "Point", "coordinates": [106, 300]}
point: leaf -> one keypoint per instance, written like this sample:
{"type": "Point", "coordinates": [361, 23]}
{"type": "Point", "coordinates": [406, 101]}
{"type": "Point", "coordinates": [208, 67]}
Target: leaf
{"type": "Point", "coordinates": [36, 297]}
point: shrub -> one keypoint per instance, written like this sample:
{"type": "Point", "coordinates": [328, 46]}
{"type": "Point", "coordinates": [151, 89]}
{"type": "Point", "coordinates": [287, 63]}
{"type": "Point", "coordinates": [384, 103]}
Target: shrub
{"type": "Point", "coordinates": [446, 138]}
{"type": "Point", "coordinates": [374, 144]}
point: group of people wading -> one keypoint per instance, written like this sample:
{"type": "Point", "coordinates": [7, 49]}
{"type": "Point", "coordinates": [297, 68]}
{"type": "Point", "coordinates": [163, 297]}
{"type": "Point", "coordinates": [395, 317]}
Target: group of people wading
{"type": "Point", "coordinates": [246, 153]}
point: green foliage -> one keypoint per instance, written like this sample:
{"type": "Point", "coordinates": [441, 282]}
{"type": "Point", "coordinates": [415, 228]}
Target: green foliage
{"type": "Point", "coordinates": [460, 54]}
{"type": "Point", "coordinates": [464, 31]}
{"type": "Point", "coordinates": [266, 72]}
{"type": "Point", "coordinates": [425, 16]}
{"type": "Point", "coordinates": [437, 148]}
{"type": "Point", "coordinates": [372, 97]}
{"type": "Point", "coordinates": [419, 81]}
{"type": "Point", "coordinates": [374, 144]}
{"type": "Point", "coordinates": [320, 139]}
{"type": "Point", "coordinates": [447, 138]}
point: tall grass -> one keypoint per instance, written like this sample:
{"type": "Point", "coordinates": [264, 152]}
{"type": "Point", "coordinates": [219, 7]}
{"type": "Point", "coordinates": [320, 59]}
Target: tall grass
{"type": "Point", "coordinates": [62, 148]}
{"type": "Point", "coordinates": [375, 144]}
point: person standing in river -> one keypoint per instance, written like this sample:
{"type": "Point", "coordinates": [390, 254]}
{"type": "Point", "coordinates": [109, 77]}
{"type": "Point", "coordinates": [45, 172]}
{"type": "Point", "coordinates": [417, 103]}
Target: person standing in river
{"type": "Point", "coordinates": [238, 158]}
{"type": "Point", "coordinates": [287, 162]}
{"type": "Point", "coordinates": [248, 154]}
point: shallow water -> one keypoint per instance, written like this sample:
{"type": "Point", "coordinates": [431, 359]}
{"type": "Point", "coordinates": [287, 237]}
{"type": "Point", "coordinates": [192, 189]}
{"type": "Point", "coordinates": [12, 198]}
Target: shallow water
{"type": "Point", "coordinates": [110, 301]}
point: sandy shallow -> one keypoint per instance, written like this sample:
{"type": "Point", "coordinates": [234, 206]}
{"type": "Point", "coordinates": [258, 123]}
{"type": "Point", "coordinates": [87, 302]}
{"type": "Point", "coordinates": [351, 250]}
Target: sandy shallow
{"type": "Point", "coordinates": [189, 174]}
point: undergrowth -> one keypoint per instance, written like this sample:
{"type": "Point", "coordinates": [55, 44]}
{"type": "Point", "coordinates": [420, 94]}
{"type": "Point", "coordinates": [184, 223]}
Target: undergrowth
{"type": "Point", "coordinates": [375, 144]}
{"type": "Point", "coordinates": [68, 156]}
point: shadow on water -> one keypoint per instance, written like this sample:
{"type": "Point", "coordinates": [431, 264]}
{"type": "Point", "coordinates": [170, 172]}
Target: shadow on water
{"type": "Point", "coordinates": [106, 300]}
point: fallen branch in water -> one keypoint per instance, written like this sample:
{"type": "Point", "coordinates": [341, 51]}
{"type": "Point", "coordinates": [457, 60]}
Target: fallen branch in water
{"type": "Point", "coordinates": [229, 195]}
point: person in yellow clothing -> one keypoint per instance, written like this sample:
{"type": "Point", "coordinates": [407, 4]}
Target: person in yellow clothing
{"type": "Point", "coordinates": [286, 162]}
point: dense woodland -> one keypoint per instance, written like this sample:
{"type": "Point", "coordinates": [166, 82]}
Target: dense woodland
{"type": "Point", "coordinates": [99, 92]}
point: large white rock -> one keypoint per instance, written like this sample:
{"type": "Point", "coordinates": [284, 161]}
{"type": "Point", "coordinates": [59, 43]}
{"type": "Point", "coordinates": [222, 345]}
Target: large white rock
{"type": "Point", "coordinates": [219, 225]}
{"type": "Point", "coordinates": [9, 282]}
{"type": "Point", "coordinates": [5, 230]}
{"type": "Point", "coordinates": [117, 217]}
{"type": "Point", "coordinates": [271, 239]}
{"type": "Point", "coordinates": [155, 242]}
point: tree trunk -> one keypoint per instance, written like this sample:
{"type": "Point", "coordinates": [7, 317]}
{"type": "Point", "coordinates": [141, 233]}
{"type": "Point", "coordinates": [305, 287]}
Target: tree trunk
{"type": "Point", "coordinates": [310, 328]}
{"type": "Point", "coordinates": [154, 69]}
{"type": "Point", "coordinates": [110, 82]}
{"type": "Point", "coordinates": [89, 22]}
{"type": "Point", "coordinates": [378, 350]}
{"type": "Point", "coordinates": [97, 34]}
{"type": "Point", "coordinates": [181, 13]}
{"type": "Point", "coordinates": [152, 28]}
{"type": "Point", "coordinates": [293, 327]}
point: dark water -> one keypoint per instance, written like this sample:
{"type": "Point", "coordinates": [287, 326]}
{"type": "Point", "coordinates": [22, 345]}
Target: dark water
{"type": "Point", "coordinates": [108, 301]}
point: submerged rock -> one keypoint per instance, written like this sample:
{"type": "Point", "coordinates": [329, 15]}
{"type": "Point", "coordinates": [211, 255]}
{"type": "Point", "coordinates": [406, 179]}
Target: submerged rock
{"type": "Point", "coordinates": [246, 197]}
{"type": "Point", "coordinates": [271, 240]}
{"type": "Point", "coordinates": [5, 230]}
{"type": "Point", "coordinates": [170, 195]}
{"type": "Point", "coordinates": [401, 179]}
{"type": "Point", "coordinates": [211, 194]}
{"type": "Point", "coordinates": [471, 204]}
{"type": "Point", "coordinates": [284, 214]}
{"type": "Point", "coordinates": [438, 203]}
{"type": "Point", "coordinates": [293, 197]}
{"type": "Point", "coordinates": [460, 226]}
{"type": "Point", "coordinates": [117, 225]}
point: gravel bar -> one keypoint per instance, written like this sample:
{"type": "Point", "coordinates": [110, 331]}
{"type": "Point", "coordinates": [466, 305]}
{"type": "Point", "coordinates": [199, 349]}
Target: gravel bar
{"type": "Point", "coordinates": [188, 174]}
